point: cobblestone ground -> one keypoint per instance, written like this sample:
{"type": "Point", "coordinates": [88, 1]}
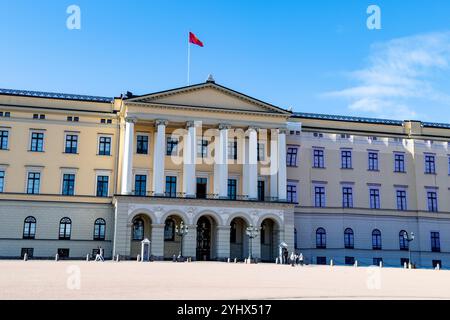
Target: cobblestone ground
{"type": "Point", "coordinates": [213, 280]}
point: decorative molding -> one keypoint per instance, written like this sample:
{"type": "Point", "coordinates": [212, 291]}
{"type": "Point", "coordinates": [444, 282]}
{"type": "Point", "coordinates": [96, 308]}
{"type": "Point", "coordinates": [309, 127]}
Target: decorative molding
{"type": "Point", "coordinates": [161, 122]}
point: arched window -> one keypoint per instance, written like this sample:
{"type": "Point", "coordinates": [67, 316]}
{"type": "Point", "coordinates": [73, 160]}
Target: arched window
{"type": "Point", "coordinates": [169, 230]}
{"type": "Point", "coordinates": [138, 229]}
{"type": "Point", "coordinates": [376, 239]}
{"type": "Point", "coordinates": [321, 238]}
{"type": "Point", "coordinates": [99, 229]}
{"type": "Point", "coordinates": [402, 240]}
{"type": "Point", "coordinates": [295, 238]}
{"type": "Point", "coordinates": [65, 229]}
{"type": "Point", "coordinates": [233, 232]}
{"type": "Point", "coordinates": [349, 238]}
{"type": "Point", "coordinates": [29, 228]}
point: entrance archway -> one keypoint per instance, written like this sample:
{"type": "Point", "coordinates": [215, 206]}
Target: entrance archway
{"type": "Point", "coordinates": [206, 232]}
{"type": "Point", "coordinates": [268, 240]}
{"type": "Point", "coordinates": [141, 229]}
{"type": "Point", "coordinates": [238, 239]}
{"type": "Point", "coordinates": [172, 241]}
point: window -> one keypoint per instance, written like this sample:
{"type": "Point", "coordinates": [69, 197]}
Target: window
{"type": "Point", "coordinates": [202, 188]}
{"type": "Point", "coordinates": [232, 149]}
{"type": "Point", "coordinates": [138, 229]}
{"type": "Point", "coordinates": [319, 197]}
{"type": "Point", "coordinates": [377, 261]}
{"type": "Point", "coordinates": [318, 159]}
{"type": "Point", "coordinates": [140, 185]}
{"type": "Point", "coordinates": [321, 238]}
{"type": "Point", "coordinates": [102, 186]}
{"type": "Point", "coordinates": [399, 162]}
{"type": "Point", "coordinates": [373, 161]}
{"type": "Point", "coordinates": [169, 230]}
{"type": "Point", "coordinates": [349, 261]}
{"type": "Point", "coordinates": [376, 239]}
{"type": "Point", "coordinates": [4, 135]}
{"type": "Point", "coordinates": [430, 164]}
{"type": "Point", "coordinates": [321, 260]}
{"type": "Point", "coordinates": [291, 157]}
{"type": "Point", "coordinates": [291, 193]}
{"type": "Point", "coordinates": [71, 143]}
{"type": "Point", "coordinates": [435, 242]}
{"type": "Point", "coordinates": [232, 189]}
{"type": "Point", "coordinates": [432, 201]}
{"type": "Point", "coordinates": [65, 229]}
{"type": "Point", "coordinates": [374, 195]}
{"type": "Point", "coordinates": [349, 239]}
{"type": "Point", "coordinates": [404, 244]}
{"type": "Point", "coordinates": [202, 148]}
{"type": "Point", "coordinates": [68, 187]}
{"type": "Point", "coordinates": [39, 116]}
{"type": "Point", "coordinates": [171, 186]}
{"type": "Point", "coordinates": [29, 228]}
{"type": "Point", "coordinates": [261, 152]}
{"type": "Point", "coordinates": [346, 159]}
{"type": "Point", "coordinates": [63, 253]}
{"type": "Point", "coordinates": [142, 144]}
{"type": "Point", "coordinates": [345, 136]}
{"type": "Point", "coordinates": [347, 197]}
{"type": "Point", "coordinates": [317, 135]}
{"type": "Point", "coordinates": [34, 179]}
{"type": "Point", "coordinates": [99, 229]}
{"type": "Point", "coordinates": [2, 181]}
{"type": "Point", "coordinates": [401, 200]}
{"type": "Point", "coordinates": [104, 147]}
{"type": "Point", "coordinates": [261, 191]}
{"type": "Point", "coordinates": [172, 146]}
{"type": "Point", "coordinates": [37, 142]}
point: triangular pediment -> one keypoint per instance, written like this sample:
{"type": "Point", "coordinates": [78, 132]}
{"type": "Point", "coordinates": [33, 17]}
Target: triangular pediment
{"type": "Point", "coordinates": [209, 95]}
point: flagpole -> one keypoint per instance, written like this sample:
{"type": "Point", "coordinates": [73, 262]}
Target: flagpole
{"type": "Point", "coordinates": [189, 62]}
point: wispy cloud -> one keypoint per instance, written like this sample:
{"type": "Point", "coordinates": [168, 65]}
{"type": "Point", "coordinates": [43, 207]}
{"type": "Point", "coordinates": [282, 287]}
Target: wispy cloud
{"type": "Point", "coordinates": [401, 78]}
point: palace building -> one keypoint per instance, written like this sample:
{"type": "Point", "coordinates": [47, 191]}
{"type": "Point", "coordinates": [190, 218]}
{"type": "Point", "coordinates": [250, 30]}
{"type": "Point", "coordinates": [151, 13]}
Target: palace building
{"type": "Point", "coordinates": [80, 173]}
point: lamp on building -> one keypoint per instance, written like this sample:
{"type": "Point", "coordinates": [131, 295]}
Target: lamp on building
{"type": "Point", "coordinates": [409, 238]}
{"type": "Point", "coordinates": [181, 230]}
{"type": "Point", "coordinates": [252, 232]}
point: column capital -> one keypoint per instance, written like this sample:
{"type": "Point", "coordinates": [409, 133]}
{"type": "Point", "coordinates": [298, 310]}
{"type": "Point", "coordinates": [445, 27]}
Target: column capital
{"type": "Point", "coordinates": [282, 130]}
{"type": "Point", "coordinates": [131, 119]}
{"type": "Point", "coordinates": [223, 126]}
{"type": "Point", "coordinates": [160, 122]}
{"type": "Point", "coordinates": [190, 124]}
{"type": "Point", "coordinates": [255, 128]}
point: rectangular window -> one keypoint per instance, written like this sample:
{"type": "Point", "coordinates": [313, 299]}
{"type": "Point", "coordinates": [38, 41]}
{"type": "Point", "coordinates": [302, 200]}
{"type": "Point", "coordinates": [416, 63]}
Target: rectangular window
{"type": "Point", "coordinates": [347, 197]}
{"type": "Point", "coordinates": [68, 187]}
{"type": "Point", "coordinates": [140, 185]}
{"type": "Point", "coordinates": [102, 186]}
{"type": "Point", "coordinates": [377, 261]}
{"type": "Point", "coordinates": [104, 147]}
{"type": "Point", "coordinates": [171, 186]}
{"type": "Point", "coordinates": [37, 142]}
{"type": "Point", "coordinates": [399, 163]}
{"type": "Point", "coordinates": [261, 191]}
{"type": "Point", "coordinates": [319, 197]}
{"type": "Point", "coordinates": [4, 135]}
{"type": "Point", "coordinates": [374, 198]}
{"type": "Point", "coordinates": [142, 144]}
{"type": "Point", "coordinates": [430, 164]}
{"type": "Point", "coordinates": [435, 242]}
{"type": "Point", "coordinates": [291, 193]}
{"type": "Point", "coordinates": [172, 146]}
{"type": "Point", "coordinates": [34, 180]}
{"type": "Point", "coordinates": [318, 159]}
{"type": "Point", "coordinates": [202, 188]}
{"type": "Point", "coordinates": [2, 181]}
{"type": "Point", "coordinates": [349, 261]}
{"type": "Point", "coordinates": [232, 189]}
{"type": "Point", "coordinates": [261, 152]}
{"type": "Point", "coordinates": [432, 201]}
{"type": "Point", "coordinates": [291, 157]}
{"type": "Point", "coordinates": [202, 148]}
{"type": "Point", "coordinates": [401, 200]}
{"type": "Point", "coordinates": [373, 161]}
{"type": "Point", "coordinates": [321, 260]}
{"type": "Point", "coordinates": [71, 143]}
{"type": "Point", "coordinates": [346, 159]}
{"type": "Point", "coordinates": [232, 150]}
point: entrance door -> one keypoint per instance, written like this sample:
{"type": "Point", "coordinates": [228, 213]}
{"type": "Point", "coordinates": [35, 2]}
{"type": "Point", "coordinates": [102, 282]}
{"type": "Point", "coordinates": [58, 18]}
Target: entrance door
{"type": "Point", "coordinates": [201, 188]}
{"type": "Point", "coordinates": [203, 239]}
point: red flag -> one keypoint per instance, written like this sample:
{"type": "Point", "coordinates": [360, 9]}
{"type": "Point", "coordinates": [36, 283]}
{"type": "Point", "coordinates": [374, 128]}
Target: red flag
{"type": "Point", "coordinates": [193, 39]}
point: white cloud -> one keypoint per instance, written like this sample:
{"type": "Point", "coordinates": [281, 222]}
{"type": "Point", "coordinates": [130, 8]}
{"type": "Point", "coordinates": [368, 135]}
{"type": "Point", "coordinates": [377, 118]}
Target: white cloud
{"type": "Point", "coordinates": [401, 77]}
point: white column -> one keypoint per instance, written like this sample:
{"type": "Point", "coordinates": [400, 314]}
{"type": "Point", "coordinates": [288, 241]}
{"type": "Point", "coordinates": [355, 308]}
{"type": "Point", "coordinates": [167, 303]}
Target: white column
{"type": "Point", "coordinates": [252, 163]}
{"type": "Point", "coordinates": [127, 163]}
{"type": "Point", "coordinates": [158, 157]}
{"type": "Point", "coordinates": [282, 196]}
{"type": "Point", "coordinates": [244, 151]}
{"type": "Point", "coordinates": [221, 162]}
{"type": "Point", "coordinates": [274, 164]}
{"type": "Point", "coordinates": [189, 157]}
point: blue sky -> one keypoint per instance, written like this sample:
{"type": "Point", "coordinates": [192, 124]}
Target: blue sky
{"type": "Point", "coordinates": [313, 56]}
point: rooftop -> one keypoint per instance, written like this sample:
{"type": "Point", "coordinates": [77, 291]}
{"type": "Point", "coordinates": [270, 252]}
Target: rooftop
{"type": "Point", "coordinates": [52, 95]}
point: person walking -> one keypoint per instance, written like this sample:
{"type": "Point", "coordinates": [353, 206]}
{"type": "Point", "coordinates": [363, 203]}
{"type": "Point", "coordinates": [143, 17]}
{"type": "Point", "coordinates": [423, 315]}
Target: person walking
{"type": "Point", "coordinates": [300, 259]}
{"type": "Point", "coordinates": [292, 259]}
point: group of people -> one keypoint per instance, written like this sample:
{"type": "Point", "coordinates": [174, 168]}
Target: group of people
{"type": "Point", "coordinates": [294, 259]}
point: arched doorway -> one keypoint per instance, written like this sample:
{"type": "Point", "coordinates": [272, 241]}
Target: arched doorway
{"type": "Point", "coordinates": [172, 241]}
{"type": "Point", "coordinates": [141, 229]}
{"type": "Point", "coordinates": [238, 239]}
{"type": "Point", "coordinates": [268, 240]}
{"type": "Point", "coordinates": [206, 229]}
